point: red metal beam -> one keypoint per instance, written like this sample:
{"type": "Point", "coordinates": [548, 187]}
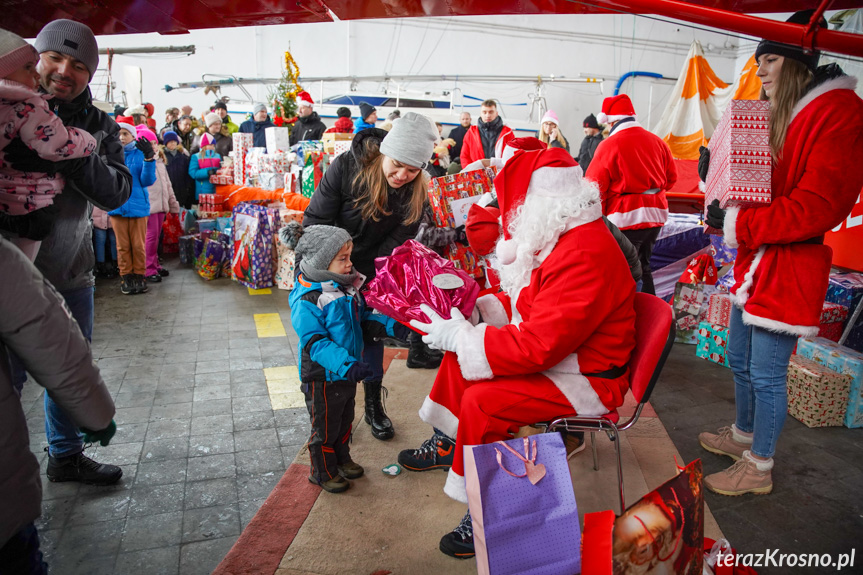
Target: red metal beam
{"type": "Point", "coordinates": [826, 40]}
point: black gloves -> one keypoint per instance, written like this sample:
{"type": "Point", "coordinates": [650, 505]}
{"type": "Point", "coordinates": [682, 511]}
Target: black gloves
{"type": "Point", "coordinates": [358, 372]}
{"type": "Point", "coordinates": [461, 236]}
{"type": "Point", "coordinates": [103, 436]}
{"type": "Point", "coordinates": [715, 216]}
{"type": "Point", "coordinates": [212, 172]}
{"type": "Point", "coordinates": [37, 225]}
{"type": "Point", "coordinates": [146, 148]}
{"type": "Point", "coordinates": [703, 163]}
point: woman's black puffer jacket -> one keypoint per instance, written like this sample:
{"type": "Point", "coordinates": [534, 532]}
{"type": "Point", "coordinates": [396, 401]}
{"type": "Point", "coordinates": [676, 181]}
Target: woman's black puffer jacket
{"type": "Point", "coordinates": [333, 204]}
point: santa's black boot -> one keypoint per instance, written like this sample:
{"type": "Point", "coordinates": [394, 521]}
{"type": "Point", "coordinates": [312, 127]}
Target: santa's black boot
{"type": "Point", "coordinates": [382, 427]}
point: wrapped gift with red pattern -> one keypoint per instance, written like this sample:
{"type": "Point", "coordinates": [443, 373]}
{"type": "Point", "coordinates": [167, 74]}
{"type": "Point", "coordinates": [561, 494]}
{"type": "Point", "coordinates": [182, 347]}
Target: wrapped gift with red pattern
{"type": "Point", "coordinates": [242, 144]}
{"type": "Point", "coordinates": [464, 258]}
{"type": "Point", "coordinates": [711, 342]}
{"type": "Point", "coordinates": [817, 395]}
{"type": "Point", "coordinates": [833, 316]}
{"type": "Point", "coordinates": [719, 309]}
{"type": "Point", "coordinates": [740, 156]}
{"type": "Point", "coordinates": [442, 191]}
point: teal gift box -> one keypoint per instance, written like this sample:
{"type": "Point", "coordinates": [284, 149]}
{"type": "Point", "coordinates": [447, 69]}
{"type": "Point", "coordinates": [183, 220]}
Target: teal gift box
{"type": "Point", "coordinates": [711, 341]}
{"type": "Point", "coordinates": [840, 359]}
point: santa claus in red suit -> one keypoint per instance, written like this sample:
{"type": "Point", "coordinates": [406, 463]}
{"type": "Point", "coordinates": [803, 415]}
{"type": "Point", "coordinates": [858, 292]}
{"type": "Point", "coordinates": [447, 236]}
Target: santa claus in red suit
{"type": "Point", "coordinates": [633, 168]}
{"type": "Point", "coordinates": [555, 340]}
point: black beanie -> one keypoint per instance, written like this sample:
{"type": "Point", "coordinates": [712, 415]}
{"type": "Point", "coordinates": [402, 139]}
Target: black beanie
{"type": "Point", "coordinates": [790, 51]}
{"type": "Point", "coordinates": [366, 110]}
{"type": "Point", "coordinates": [343, 112]}
{"type": "Point", "coordinates": [590, 122]}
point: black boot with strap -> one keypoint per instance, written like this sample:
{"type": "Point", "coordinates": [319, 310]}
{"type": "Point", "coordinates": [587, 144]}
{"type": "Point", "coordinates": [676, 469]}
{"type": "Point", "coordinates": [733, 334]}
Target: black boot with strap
{"type": "Point", "coordinates": [382, 427]}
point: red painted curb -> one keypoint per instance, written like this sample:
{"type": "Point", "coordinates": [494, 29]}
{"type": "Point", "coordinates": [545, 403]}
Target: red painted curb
{"type": "Point", "coordinates": [263, 544]}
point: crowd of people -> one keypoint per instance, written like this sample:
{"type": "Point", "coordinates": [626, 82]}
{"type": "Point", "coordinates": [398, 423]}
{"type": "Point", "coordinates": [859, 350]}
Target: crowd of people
{"type": "Point", "coordinates": [573, 235]}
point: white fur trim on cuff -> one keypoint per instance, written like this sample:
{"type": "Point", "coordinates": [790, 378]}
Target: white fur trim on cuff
{"type": "Point", "coordinates": [779, 326]}
{"type": "Point", "coordinates": [729, 228]}
{"type": "Point", "coordinates": [702, 187]}
{"type": "Point", "coordinates": [455, 486]}
{"type": "Point", "coordinates": [439, 416]}
{"type": "Point", "coordinates": [492, 311]}
{"type": "Point", "coordinates": [471, 353]}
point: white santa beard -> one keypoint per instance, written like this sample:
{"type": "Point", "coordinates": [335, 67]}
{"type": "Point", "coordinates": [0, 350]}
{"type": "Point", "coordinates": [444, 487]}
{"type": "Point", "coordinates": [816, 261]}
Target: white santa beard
{"type": "Point", "coordinates": [538, 223]}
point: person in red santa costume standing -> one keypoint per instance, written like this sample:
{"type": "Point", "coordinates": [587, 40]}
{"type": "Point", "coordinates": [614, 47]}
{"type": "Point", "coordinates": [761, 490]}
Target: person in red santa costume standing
{"type": "Point", "coordinates": [782, 266]}
{"type": "Point", "coordinates": [633, 168]}
{"type": "Point", "coordinates": [556, 339]}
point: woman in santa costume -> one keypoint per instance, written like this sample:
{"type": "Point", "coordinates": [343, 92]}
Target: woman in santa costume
{"type": "Point", "coordinates": [555, 341]}
{"type": "Point", "coordinates": [782, 265]}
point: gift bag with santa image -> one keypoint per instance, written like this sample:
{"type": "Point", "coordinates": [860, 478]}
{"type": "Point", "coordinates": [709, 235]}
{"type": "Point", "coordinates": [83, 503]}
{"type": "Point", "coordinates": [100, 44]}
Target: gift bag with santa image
{"type": "Point", "coordinates": [663, 533]}
{"type": "Point", "coordinates": [522, 505]}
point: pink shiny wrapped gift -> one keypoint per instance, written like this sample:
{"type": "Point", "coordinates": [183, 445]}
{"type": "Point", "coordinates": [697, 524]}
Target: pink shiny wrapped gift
{"type": "Point", "coordinates": [404, 280]}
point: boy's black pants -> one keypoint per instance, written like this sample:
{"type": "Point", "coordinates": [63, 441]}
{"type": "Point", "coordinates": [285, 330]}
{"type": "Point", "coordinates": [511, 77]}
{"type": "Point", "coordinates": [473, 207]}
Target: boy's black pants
{"type": "Point", "coordinates": [331, 408]}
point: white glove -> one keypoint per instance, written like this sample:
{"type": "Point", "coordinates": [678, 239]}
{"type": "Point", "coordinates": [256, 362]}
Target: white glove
{"type": "Point", "coordinates": [442, 333]}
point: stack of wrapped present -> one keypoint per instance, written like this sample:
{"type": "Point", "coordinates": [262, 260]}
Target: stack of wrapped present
{"type": "Point", "coordinates": [839, 361]}
{"type": "Point", "coordinates": [740, 156]}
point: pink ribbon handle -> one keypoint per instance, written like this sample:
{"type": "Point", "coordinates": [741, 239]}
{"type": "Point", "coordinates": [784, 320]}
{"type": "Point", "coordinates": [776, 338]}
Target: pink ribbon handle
{"type": "Point", "coordinates": [524, 458]}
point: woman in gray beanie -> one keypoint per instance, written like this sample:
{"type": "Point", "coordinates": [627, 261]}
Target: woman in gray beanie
{"type": "Point", "coordinates": [376, 193]}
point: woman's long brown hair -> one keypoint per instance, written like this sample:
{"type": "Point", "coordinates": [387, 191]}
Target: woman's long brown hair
{"type": "Point", "coordinates": [373, 197]}
{"type": "Point", "coordinates": [794, 79]}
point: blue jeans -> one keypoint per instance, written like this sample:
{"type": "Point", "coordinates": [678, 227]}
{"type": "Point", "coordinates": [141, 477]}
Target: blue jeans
{"type": "Point", "coordinates": [759, 360]}
{"type": "Point", "coordinates": [64, 439]}
{"type": "Point", "coordinates": [100, 238]}
{"type": "Point", "coordinates": [21, 555]}
{"type": "Point", "coordinates": [373, 354]}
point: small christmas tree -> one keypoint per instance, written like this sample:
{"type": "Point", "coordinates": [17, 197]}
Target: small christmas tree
{"type": "Point", "coordinates": [283, 96]}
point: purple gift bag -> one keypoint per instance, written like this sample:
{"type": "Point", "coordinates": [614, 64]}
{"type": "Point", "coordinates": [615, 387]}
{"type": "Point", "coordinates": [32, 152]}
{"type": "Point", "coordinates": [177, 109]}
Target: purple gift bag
{"type": "Point", "coordinates": [522, 505]}
{"type": "Point", "coordinates": [253, 245]}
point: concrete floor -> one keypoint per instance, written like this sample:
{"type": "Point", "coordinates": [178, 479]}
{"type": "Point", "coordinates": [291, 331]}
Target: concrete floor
{"type": "Point", "coordinates": [197, 438]}
{"type": "Point", "coordinates": [817, 502]}
{"type": "Point", "coordinates": [195, 377]}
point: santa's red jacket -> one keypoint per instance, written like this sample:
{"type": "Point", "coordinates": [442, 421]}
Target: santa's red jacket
{"type": "Point", "coordinates": [573, 319]}
{"type": "Point", "coordinates": [782, 268]}
{"type": "Point", "coordinates": [633, 168]}
{"type": "Point", "coordinates": [471, 149]}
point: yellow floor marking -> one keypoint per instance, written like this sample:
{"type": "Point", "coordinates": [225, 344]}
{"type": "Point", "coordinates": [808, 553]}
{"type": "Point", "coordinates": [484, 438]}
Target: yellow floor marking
{"type": "Point", "coordinates": [269, 325]}
{"type": "Point", "coordinates": [263, 291]}
{"type": "Point", "coordinates": [283, 385]}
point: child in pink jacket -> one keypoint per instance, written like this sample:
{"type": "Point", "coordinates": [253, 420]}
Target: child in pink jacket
{"type": "Point", "coordinates": [25, 115]}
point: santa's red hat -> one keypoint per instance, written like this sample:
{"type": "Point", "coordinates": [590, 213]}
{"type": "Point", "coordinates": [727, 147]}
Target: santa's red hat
{"type": "Point", "coordinates": [615, 108]}
{"type": "Point", "coordinates": [532, 169]}
{"type": "Point", "coordinates": [304, 99]}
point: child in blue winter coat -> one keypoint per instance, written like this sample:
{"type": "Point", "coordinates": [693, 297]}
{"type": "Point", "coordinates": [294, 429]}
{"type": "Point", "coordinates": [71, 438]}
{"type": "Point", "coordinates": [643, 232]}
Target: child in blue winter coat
{"type": "Point", "coordinates": [130, 220]}
{"type": "Point", "coordinates": [331, 318]}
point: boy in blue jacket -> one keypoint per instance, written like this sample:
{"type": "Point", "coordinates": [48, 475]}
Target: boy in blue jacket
{"type": "Point", "coordinates": [331, 318]}
{"type": "Point", "coordinates": [129, 221]}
